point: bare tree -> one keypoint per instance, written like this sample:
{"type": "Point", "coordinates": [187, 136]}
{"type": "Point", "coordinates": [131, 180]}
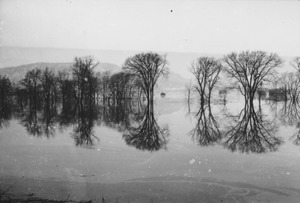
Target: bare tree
{"type": "Point", "coordinates": [6, 90]}
{"type": "Point", "coordinates": [206, 71]}
{"type": "Point", "coordinates": [119, 85]}
{"type": "Point", "coordinates": [66, 87]}
{"type": "Point", "coordinates": [32, 85]}
{"type": "Point", "coordinates": [136, 90]}
{"type": "Point", "coordinates": [148, 67]}
{"type": "Point", "coordinates": [281, 84]}
{"type": "Point", "coordinates": [84, 79]}
{"type": "Point", "coordinates": [251, 70]}
{"type": "Point", "coordinates": [6, 99]}
{"type": "Point", "coordinates": [292, 84]}
{"type": "Point", "coordinates": [296, 64]}
{"type": "Point", "coordinates": [49, 85]}
{"type": "Point", "coordinates": [104, 81]}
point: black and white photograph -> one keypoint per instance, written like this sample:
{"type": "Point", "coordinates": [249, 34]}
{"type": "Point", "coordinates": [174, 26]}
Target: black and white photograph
{"type": "Point", "coordinates": [155, 101]}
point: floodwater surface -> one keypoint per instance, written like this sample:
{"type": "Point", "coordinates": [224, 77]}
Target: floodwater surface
{"type": "Point", "coordinates": [224, 153]}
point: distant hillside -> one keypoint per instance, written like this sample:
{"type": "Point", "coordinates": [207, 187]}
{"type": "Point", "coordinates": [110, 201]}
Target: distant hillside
{"type": "Point", "coordinates": [173, 82]}
{"type": "Point", "coordinates": [17, 73]}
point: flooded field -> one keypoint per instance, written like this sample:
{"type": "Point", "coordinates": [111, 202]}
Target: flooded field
{"type": "Point", "coordinates": [180, 153]}
{"type": "Point", "coordinates": [149, 101]}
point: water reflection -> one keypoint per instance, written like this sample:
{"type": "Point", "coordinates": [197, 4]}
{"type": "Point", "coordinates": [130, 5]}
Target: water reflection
{"type": "Point", "coordinates": [296, 136]}
{"type": "Point", "coordinates": [83, 129]}
{"type": "Point", "coordinates": [49, 120]}
{"type": "Point", "coordinates": [251, 131]}
{"type": "Point", "coordinates": [5, 114]}
{"type": "Point", "coordinates": [248, 132]}
{"type": "Point", "coordinates": [133, 118]}
{"type": "Point", "coordinates": [146, 134]}
{"type": "Point", "coordinates": [41, 119]}
{"type": "Point", "coordinates": [289, 115]}
{"type": "Point", "coordinates": [67, 116]}
{"type": "Point", "coordinates": [206, 131]}
{"type": "Point", "coordinates": [30, 118]}
{"type": "Point", "coordinates": [117, 115]}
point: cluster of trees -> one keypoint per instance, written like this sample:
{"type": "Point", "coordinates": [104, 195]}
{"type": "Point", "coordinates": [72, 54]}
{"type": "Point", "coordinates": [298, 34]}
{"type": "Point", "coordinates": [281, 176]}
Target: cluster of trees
{"type": "Point", "coordinates": [206, 71]}
{"type": "Point", "coordinates": [249, 71]}
{"type": "Point", "coordinates": [288, 83]}
{"type": "Point", "coordinates": [83, 86]}
{"type": "Point", "coordinates": [6, 92]}
{"type": "Point", "coordinates": [80, 85]}
{"type": "Point", "coordinates": [82, 98]}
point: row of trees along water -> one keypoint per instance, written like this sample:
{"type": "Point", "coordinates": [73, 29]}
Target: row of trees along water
{"type": "Point", "coordinates": [249, 72]}
{"type": "Point", "coordinates": [249, 131]}
{"type": "Point", "coordinates": [82, 98]}
{"type": "Point", "coordinates": [81, 85]}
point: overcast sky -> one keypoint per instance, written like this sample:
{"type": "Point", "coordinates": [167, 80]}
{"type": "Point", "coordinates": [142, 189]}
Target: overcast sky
{"type": "Point", "coordinates": [182, 26]}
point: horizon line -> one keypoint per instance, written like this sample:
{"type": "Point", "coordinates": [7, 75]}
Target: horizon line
{"type": "Point", "coordinates": [137, 51]}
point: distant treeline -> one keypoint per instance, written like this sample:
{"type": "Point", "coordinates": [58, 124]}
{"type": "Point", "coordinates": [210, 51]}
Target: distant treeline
{"type": "Point", "coordinates": [248, 71]}
{"type": "Point", "coordinates": [80, 84]}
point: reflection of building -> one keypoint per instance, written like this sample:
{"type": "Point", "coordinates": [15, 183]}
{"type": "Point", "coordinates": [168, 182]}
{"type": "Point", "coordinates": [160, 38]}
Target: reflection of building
{"type": "Point", "coordinates": [277, 94]}
{"type": "Point", "coordinates": [272, 94]}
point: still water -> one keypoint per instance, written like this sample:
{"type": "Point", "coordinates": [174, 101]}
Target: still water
{"type": "Point", "coordinates": [190, 155]}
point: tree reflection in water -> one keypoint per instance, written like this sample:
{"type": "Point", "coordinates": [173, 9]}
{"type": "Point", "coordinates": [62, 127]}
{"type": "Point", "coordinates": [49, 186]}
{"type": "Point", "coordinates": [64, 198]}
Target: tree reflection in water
{"type": "Point", "coordinates": [250, 132]}
{"type": "Point", "coordinates": [116, 116]}
{"type": "Point", "coordinates": [146, 134]}
{"type": "Point", "coordinates": [206, 131]}
{"type": "Point", "coordinates": [49, 120]}
{"type": "Point", "coordinates": [289, 115]}
{"type": "Point", "coordinates": [30, 119]}
{"type": "Point", "coordinates": [83, 133]}
{"type": "Point", "coordinates": [135, 120]}
{"type": "Point", "coordinates": [296, 136]}
{"type": "Point", "coordinates": [41, 120]}
{"type": "Point", "coordinates": [5, 114]}
{"type": "Point", "coordinates": [67, 116]}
